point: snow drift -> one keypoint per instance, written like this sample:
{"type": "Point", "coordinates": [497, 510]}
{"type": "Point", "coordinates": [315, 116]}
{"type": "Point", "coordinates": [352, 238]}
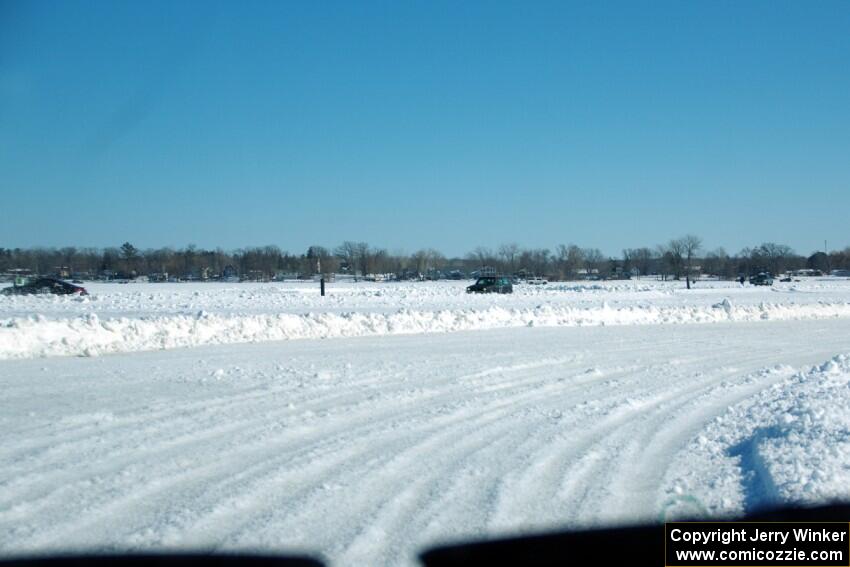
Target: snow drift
{"type": "Point", "coordinates": [90, 335]}
{"type": "Point", "coordinates": [789, 443]}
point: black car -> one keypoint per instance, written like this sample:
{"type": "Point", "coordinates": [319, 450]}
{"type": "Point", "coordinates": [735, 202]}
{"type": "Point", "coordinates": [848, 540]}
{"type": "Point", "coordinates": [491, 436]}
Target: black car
{"type": "Point", "coordinates": [45, 286]}
{"type": "Point", "coordinates": [491, 284]}
{"type": "Point", "coordinates": [763, 278]}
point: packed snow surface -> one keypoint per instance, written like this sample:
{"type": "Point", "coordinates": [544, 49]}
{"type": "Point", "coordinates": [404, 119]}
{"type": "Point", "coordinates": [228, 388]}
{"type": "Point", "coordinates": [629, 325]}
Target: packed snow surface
{"type": "Point", "coordinates": [136, 317]}
{"type": "Point", "coordinates": [446, 417]}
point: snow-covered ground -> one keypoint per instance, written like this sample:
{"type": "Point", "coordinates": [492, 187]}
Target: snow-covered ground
{"type": "Point", "coordinates": [136, 317]}
{"type": "Point", "coordinates": [429, 417]}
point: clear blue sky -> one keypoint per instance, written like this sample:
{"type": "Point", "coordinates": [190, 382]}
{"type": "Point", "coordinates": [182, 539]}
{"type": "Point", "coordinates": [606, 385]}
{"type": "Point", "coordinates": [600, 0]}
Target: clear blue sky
{"type": "Point", "coordinates": [428, 123]}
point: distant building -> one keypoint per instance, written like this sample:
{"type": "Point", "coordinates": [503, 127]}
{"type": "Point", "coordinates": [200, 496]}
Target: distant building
{"type": "Point", "coordinates": [16, 275]}
{"type": "Point", "coordinates": [583, 273]}
{"type": "Point", "coordinates": [282, 276]}
{"type": "Point", "coordinates": [379, 277]}
{"type": "Point", "coordinates": [255, 276]}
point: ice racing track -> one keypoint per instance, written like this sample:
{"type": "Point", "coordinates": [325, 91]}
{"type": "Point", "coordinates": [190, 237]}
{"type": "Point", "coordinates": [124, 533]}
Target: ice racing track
{"type": "Point", "coordinates": [365, 450]}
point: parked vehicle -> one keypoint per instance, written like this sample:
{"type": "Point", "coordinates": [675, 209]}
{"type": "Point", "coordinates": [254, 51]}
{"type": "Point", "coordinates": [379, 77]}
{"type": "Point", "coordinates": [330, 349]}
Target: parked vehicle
{"type": "Point", "coordinates": [537, 281]}
{"type": "Point", "coordinates": [45, 286]}
{"type": "Point", "coordinates": [763, 278]}
{"type": "Point", "coordinates": [491, 284]}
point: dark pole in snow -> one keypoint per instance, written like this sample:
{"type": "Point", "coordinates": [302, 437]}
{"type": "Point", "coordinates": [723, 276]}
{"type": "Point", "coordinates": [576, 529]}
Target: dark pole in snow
{"type": "Point", "coordinates": [321, 275]}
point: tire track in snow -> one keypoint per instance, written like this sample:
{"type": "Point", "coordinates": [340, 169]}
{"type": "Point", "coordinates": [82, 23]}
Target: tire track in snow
{"type": "Point", "coordinates": [492, 434]}
{"type": "Point", "coordinates": [612, 470]}
{"type": "Point", "coordinates": [171, 479]}
{"type": "Point", "coordinates": [390, 447]}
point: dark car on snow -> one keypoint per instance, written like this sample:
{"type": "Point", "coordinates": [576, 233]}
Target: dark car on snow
{"type": "Point", "coordinates": [764, 278]}
{"type": "Point", "coordinates": [491, 284]}
{"type": "Point", "coordinates": [45, 286]}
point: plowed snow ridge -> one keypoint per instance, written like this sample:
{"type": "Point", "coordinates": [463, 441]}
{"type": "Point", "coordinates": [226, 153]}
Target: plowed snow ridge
{"type": "Point", "coordinates": [90, 335]}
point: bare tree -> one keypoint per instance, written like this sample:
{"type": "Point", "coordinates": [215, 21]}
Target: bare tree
{"type": "Point", "coordinates": [69, 257]}
{"type": "Point", "coordinates": [376, 261]}
{"type": "Point", "coordinates": [362, 254]}
{"type": "Point", "coordinates": [509, 254]}
{"type": "Point", "coordinates": [642, 260]}
{"type": "Point", "coordinates": [691, 244]}
{"type": "Point", "coordinates": [540, 261]}
{"type": "Point", "coordinates": [347, 252]}
{"type": "Point", "coordinates": [628, 261]}
{"type": "Point", "coordinates": [568, 259]}
{"type": "Point", "coordinates": [716, 263]}
{"type": "Point", "coordinates": [483, 256]}
{"type": "Point", "coordinates": [776, 256]}
{"type": "Point", "coordinates": [426, 260]}
{"type": "Point", "coordinates": [575, 258]}
{"type": "Point", "coordinates": [673, 257]}
{"type": "Point", "coordinates": [593, 261]}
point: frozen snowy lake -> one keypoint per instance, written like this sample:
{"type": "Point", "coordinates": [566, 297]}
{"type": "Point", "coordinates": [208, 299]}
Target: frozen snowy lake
{"type": "Point", "coordinates": [386, 417]}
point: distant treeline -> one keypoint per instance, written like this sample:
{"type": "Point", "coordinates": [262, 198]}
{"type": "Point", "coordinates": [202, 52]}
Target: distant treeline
{"type": "Point", "coordinates": [678, 258]}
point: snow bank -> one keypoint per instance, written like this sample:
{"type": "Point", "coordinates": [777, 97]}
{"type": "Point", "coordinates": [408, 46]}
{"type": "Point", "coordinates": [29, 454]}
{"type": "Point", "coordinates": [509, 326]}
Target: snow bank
{"type": "Point", "coordinates": [790, 443]}
{"type": "Point", "coordinates": [90, 335]}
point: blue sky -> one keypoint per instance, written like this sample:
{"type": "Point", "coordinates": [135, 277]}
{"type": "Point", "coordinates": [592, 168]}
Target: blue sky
{"type": "Point", "coordinates": [414, 124]}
